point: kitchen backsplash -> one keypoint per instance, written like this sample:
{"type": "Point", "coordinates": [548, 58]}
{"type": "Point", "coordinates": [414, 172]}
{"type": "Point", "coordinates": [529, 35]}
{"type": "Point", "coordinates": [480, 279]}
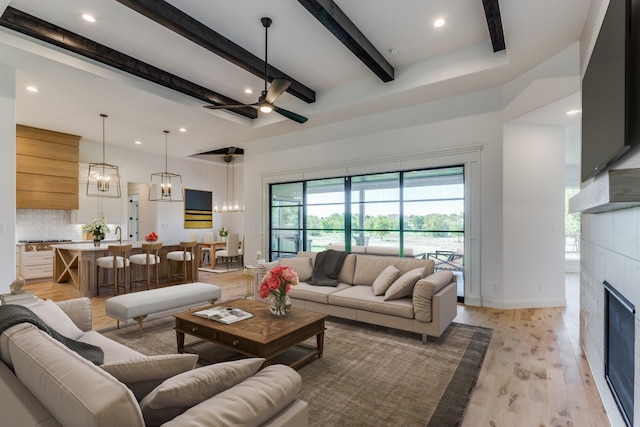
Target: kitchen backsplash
{"type": "Point", "coordinates": [46, 224]}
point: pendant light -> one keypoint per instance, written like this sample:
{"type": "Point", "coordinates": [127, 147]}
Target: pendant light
{"type": "Point", "coordinates": [165, 186]}
{"type": "Point", "coordinates": [103, 180]}
{"type": "Point", "coordinates": [230, 204]}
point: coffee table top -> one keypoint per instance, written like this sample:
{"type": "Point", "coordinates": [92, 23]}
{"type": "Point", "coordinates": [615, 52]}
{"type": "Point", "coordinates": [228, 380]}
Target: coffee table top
{"type": "Point", "coordinates": [263, 327]}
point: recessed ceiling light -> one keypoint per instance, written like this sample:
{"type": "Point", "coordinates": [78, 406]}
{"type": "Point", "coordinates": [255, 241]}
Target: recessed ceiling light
{"type": "Point", "coordinates": [439, 22]}
{"type": "Point", "coordinates": [89, 18]}
{"type": "Point", "coordinates": [248, 90]}
{"type": "Point", "coordinates": [137, 142]}
{"type": "Point", "coordinates": [32, 89]}
{"type": "Point", "coordinates": [393, 51]}
{"type": "Point", "coordinates": [573, 112]}
{"type": "Point", "coordinates": [182, 129]}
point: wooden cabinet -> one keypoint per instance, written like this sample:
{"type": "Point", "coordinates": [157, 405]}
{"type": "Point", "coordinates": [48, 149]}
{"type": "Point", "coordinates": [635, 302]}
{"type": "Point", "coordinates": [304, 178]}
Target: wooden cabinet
{"type": "Point", "coordinates": [37, 265]}
{"type": "Point", "coordinates": [46, 169]}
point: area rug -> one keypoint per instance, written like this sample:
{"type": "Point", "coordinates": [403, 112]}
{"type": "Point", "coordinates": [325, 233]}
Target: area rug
{"type": "Point", "coordinates": [369, 375]}
{"type": "Point", "coordinates": [218, 269]}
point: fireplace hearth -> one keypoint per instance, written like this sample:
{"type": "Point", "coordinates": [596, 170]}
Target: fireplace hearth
{"type": "Point", "coordinates": [619, 349]}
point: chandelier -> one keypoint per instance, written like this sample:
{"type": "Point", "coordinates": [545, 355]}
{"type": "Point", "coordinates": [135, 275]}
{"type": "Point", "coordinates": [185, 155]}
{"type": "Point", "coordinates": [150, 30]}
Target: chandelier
{"type": "Point", "coordinates": [165, 186]}
{"type": "Point", "coordinates": [230, 204]}
{"type": "Point", "coordinates": [103, 179]}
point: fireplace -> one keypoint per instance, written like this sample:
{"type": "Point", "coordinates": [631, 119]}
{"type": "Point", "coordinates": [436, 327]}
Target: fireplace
{"type": "Point", "coordinates": [619, 348]}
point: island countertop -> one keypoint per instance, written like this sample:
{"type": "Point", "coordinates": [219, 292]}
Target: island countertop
{"type": "Point", "coordinates": [75, 272]}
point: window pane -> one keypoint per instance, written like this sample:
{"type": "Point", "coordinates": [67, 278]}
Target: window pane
{"type": "Point", "coordinates": [286, 241]}
{"type": "Point", "coordinates": [286, 217]}
{"type": "Point", "coordinates": [434, 216]}
{"type": "Point", "coordinates": [434, 184]}
{"type": "Point", "coordinates": [325, 191]}
{"type": "Point", "coordinates": [373, 188]}
{"type": "Point", "coordinates": [325, 217]}
{"type": "Point", "coordinates": [318, 240]}
{"type": "Point", "coordinates": [286, 194]}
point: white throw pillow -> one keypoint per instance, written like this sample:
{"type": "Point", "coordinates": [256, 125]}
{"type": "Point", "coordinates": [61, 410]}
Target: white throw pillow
{"type": "Point", "coordinates": [403, 286]}
{"type": "Point", "coordinates": [385, 279]}
{"type": "Point", "coordinates": [179, 393]}
{"type": "Point", "coordinates": [301, 265]}
{"type": "Point", "coordinates": [57, 319]}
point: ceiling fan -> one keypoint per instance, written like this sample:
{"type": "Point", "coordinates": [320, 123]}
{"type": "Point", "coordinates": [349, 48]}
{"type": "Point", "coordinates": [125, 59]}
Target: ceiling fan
{"type": "Point", "coordinates": [266, 101]}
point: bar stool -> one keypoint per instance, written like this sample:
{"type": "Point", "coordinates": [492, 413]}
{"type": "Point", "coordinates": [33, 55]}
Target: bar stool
{"type": "Point", "coordinates": [117, 259]}
{"type": "Point", "coordinates": [185, 255]}
{"type": "Point", "coordinates": [149, 259]}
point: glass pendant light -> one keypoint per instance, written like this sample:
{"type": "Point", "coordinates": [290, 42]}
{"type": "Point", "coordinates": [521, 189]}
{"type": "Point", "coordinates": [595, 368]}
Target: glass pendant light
{"type": "Point", "coordinates": [103, 179]}
{"type": "Point", "coordinates": [165, 186]}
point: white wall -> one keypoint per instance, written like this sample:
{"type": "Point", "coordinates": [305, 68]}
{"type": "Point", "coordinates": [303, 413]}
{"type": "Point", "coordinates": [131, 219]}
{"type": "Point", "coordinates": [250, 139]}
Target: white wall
{"type": "Point", "coordinates": [166, 219]}
{"type": "Point", "coordinates": [8, 174]}
{"type": "Point", "coordinates": [440, 133]}
{"type": "Point", "coordinates": [533, 216]}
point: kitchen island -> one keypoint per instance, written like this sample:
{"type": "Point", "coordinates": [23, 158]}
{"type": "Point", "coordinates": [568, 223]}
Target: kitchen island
{"type": "Point", "coordinates": [75, 271]}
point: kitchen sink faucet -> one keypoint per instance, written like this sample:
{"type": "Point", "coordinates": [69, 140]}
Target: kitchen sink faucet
{"type": "Point", "coordinates": [119, 235]}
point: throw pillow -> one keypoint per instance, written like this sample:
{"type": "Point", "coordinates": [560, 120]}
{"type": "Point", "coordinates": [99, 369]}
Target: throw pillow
{"type": "Point", "coordinates": [142, 374]}
{"type": "Point", "coordinates": [54, 317]}
{"type": "Point", "coordinates": [177, 394]}
{"type": "Point", "coordinates": [425, 289]}
{"type": "Point", "coordinates": [385, 279]}
{"type": "Point", "coordinates": [403, 286]}
{"type": "Point", "coordinates": [301, 265]}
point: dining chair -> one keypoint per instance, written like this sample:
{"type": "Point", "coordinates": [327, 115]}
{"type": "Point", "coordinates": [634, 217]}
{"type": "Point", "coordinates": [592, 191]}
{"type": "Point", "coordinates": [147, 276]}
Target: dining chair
{"type": "Point", "coordinates": [116, 260]}
{"type": "Point", "coordinates": [185, 255]}
{"type": "Point", "coordinates": [231, 250]}
{"type": "Point", "coordinates": [209, 237]}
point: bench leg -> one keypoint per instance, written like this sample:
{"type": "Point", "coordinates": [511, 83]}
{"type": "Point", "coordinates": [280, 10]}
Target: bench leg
{"type": "Point", "coordinates": [117, 324]}
{"type": "Point", "coordinates": [213, 300]}
{"type": "Point", "coordinates": [139, 319]}
{"type": "Point", "coordinates": [424, 338]}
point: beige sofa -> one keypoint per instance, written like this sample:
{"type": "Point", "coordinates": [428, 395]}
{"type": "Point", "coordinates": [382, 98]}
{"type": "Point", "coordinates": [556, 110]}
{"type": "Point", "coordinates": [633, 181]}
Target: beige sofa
{"type": "Point", "coordinates": [43, 383]}
{"type": "Point", "coordinates": [413, 299]}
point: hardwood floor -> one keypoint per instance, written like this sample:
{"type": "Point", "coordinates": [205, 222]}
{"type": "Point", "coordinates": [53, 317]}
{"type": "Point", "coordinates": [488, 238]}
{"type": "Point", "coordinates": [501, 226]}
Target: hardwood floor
{"type": "Point", "coordinates": [534, 373]}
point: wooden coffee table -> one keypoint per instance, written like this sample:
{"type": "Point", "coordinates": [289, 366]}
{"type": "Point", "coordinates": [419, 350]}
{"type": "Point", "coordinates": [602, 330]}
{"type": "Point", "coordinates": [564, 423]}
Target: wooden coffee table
{"type": "Point", "coordinates": [262, 335]}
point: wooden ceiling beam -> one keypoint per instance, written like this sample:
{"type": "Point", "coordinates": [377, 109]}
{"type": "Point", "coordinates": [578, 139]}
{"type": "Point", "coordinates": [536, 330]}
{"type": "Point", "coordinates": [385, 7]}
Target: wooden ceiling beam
{"type": "Point", "coordinates": [50, 33]}
{"type": "Point", "coordinates": [179, 22]}
{"type": "Point", "coordinates": [494, 22]}
{"type": "Point", "coordinates": [339, 24]}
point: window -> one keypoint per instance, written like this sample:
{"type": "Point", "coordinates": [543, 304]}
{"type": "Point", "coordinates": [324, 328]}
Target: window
{"type": "Point", "coordinates": [415, 212]}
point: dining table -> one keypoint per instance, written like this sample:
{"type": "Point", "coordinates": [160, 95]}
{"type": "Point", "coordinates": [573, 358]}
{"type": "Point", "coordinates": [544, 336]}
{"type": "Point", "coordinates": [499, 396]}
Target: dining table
{"type": "Point", "coordinates": [213, 247]}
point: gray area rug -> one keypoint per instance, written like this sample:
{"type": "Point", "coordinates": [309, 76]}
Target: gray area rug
{"type": "Point", "coordinates": [369, 375]}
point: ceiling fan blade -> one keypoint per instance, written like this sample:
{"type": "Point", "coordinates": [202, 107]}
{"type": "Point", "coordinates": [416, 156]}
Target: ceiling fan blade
{"type": "Point", "coordinates": [225, 107]}
{"type": "Point", "coordinates": [290, 115]}
{"type": "Point", "coordinates": [278, 86]}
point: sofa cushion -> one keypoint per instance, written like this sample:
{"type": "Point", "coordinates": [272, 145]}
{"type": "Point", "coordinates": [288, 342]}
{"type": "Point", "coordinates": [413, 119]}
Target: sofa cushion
{"type": "Point", "coordinates": [4, 341]}
{"type": "Point", "coordinates": [348, 267]}
{"type": "Point", "coordinates": [57, 319]}
{"type": "Point", "coordinates": [385, 279]}
{"type": "Point", "coordinates": [425, 289]}
{"type": "Point", "coordinates": [301, 265]}
{"type": "Point", "coordinates": [307, 292]}
{"type": "Point", "coordinates": [250, 403]}
{"type": "Point", "coordinates": [362, 298]}
{"type": "Point", "coordinates": [72, 389]}
{"type": "Point", "coordinates": [113, 350]}
{"type": "Point", "coordinates": [180, 392]}
{"type": "Point", "coordinates": [369, 267]}
{"type": "Point", "coordinates": [403, 285]}
{"type": "Point", "coordinates": [144, 373]}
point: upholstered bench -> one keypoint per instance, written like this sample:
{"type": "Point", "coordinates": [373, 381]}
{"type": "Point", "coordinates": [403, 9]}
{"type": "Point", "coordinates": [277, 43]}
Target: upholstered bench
{"type": "Point", "coordinates": [161, 301]}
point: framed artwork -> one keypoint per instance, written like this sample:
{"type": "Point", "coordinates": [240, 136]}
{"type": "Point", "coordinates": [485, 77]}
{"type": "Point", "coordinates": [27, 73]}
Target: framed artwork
{"type": "Point", "coordinates": [198, 209]}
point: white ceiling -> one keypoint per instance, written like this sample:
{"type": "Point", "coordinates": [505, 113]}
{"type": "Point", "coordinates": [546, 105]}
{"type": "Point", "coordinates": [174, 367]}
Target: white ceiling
{"type": "Point", "coordinates": [430, 63]}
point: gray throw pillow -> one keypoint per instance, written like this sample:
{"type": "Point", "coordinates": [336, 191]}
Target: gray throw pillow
{"type": "Point", "coordinates": [385, 279]}
{"type": "Point", "coordinates": [403, 286]}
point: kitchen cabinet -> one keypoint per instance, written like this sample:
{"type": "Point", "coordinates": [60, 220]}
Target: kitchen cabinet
{"type": "Point", "coordinates": [37, 265]}
{"type": "Point", "coordinates": [46, 169]}
{"type": "Point", "coordinates": [90, 208]}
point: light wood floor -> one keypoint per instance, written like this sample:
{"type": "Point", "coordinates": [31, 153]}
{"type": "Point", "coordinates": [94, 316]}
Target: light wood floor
{"type": "Point", "coordinates": [534, 373]}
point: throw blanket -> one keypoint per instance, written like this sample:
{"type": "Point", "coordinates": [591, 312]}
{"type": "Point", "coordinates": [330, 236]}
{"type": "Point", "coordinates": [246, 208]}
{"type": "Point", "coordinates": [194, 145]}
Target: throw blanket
{"type": "Point", "coordinates": [326, 269]}
{"type": "Point", "coordinates": [12, 314]}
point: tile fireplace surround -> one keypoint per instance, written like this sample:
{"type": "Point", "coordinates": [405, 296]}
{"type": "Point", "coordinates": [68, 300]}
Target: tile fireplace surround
{"type": "Point", "coordinates": [610, 250]}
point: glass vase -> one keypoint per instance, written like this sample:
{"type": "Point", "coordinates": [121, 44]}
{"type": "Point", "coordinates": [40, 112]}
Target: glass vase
{"type": "Point", "coordinates": [96, 242]}
{"type": "Point", "coordinates": [279, 306]}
